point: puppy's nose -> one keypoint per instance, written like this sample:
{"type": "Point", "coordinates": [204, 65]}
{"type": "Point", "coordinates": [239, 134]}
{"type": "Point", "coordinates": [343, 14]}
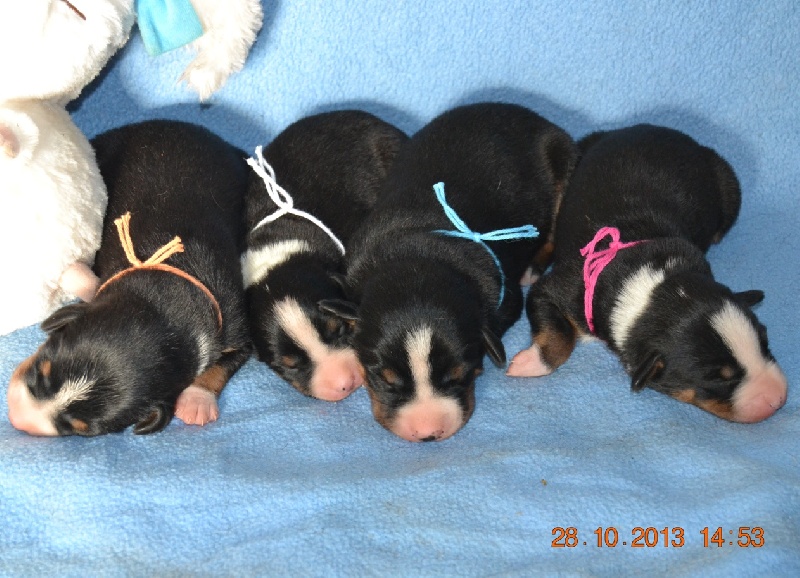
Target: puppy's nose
{"type": "Point", "coordinates": [336, 377]}
{"type": "Point", "coordinates": [760, 397]}
{"type": "Point", "coordinates": [25, 413]}
{"type": "Point", "coordinates": [423, 427]}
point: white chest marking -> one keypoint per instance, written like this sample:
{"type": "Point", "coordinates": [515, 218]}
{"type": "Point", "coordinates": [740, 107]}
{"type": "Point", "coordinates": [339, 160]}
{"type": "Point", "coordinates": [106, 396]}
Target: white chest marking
{"type": "Point", "coordinates": [632, 301]}
{"type": "Point", "coordinates": [257, 263]}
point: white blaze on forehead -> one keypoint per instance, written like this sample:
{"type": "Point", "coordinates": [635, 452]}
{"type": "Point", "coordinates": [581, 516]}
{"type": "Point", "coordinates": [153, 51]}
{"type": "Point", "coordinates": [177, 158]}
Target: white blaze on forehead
{"type": "Point", "coordinates": [763, 390]}
{"type": "Point", "coordinates": [741, 338]}
{"type": "Point", "coordinates": [428, 414]}
{"type": "Point", "coordinates": [418, 348]}
{"type": "Point", "coordinates": [257, 263]}
{"type": "Point", "coordinates": [71, 390]}
{"type": "Point", "coordinates": [632, 301]}
{"type": "Point", "coordinates": [299, 328]}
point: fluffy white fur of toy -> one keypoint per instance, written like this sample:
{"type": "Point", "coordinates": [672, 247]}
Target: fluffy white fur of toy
{"type": "Point", "coordinates": [53, 200]}
{"type": "Point", "coordinates": [51, 213]}
{"type": "Point", "coordinates": [230, 29]}
{"type": "Point", "coordinates": [50, 52]}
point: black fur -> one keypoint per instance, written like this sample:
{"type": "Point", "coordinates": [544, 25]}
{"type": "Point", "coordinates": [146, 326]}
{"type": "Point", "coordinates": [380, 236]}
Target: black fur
{"type": "Point", "coordinates": [332, 164]}
{"type": "Point", "coordinates": [502, 166]}
{"type": "Point", "coordinates": [656, 185]}
{"type": "Point", "coordinates": [138, 341]}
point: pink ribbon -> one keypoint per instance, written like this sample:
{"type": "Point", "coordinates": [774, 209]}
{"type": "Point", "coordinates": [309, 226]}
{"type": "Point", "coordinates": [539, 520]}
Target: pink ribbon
{"type": "Point", "coordinates": [594, 264]}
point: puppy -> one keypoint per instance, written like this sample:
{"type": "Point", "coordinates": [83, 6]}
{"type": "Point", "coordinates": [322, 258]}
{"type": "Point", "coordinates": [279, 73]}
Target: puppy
{"type": "Point", "coordinates": [655, 303]}
{"type": "Point", "coordinates": [426, 304]}
{"type": "Point", "coordinates": [152, 333]}
{"type": "Point", "coordinates": [332, 164]}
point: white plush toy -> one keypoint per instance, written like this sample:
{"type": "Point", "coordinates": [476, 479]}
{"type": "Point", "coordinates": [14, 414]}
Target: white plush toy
{"type": "Point", "coordinates": [52, 199]}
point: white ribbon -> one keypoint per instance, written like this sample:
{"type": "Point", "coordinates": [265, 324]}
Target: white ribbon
{"type": "Point", "coordinates": [283, 199]}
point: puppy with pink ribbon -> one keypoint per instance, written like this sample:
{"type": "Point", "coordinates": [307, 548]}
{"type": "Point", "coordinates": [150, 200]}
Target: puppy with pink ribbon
{"type": "Point", "coordinates": [641, 209]}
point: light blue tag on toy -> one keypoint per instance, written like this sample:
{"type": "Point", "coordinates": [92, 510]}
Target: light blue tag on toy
{"type": "Point", "coordinates": [167, 24]}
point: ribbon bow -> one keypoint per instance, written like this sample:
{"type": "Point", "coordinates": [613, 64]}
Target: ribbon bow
{"type": "Point", "coordinates": [464, 232]}
{"type": "Point", "coordinates": [283, 199]}
{"type": "Point", "coordinates": [156, 262]}
{"type": "Point", "coordinates": [594, 264]}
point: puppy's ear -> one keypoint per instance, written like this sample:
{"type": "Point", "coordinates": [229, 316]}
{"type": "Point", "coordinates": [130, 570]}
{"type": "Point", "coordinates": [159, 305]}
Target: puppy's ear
{"type": "Point", "coordinates": [494, 347]}
{"type": "Point", "coordinates": [749, 298]}
{"type": "Point", "coordinates": [340, 280]}
{"type": "Point", "coordinates": [63, 316]}
{"type": "Point", "coordinates": [156, 420]}
{"type": "Point", "coordinates": [649, 369]}
{"type": "Point", "coordinates": [589, 140]}
{"type": "Point", "coordinates": [347, 310]}
{"type": "Point", "coordinates": [561, 154]}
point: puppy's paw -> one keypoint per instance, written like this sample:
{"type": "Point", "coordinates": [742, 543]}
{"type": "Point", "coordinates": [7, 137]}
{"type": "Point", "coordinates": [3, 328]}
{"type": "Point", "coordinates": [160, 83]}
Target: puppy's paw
{"type": "Point", "coordinates": [196, 406]}
{"type": "Point", "coordinates": [79, 280]}
{"type": "Point", "coordinates": [528, 363]}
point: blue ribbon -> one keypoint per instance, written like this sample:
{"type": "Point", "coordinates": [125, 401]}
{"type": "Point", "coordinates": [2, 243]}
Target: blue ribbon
{"type": "Point", "coordinates": [167, 24]}
{"type": "Point", "coordinates": [464, 232]}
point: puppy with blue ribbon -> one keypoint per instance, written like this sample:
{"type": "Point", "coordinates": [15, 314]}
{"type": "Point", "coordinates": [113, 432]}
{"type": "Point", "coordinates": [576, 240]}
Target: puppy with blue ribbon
{"type": "Point", "coordinates": [433, 283]}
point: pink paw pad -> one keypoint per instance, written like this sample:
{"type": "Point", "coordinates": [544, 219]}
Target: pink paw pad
{"type": "Point", "coordinates": [79, 280]}
{"type": "Point", "coordinates": [196, 406]}
{"type": "Point", "coordinates": [528, 363]}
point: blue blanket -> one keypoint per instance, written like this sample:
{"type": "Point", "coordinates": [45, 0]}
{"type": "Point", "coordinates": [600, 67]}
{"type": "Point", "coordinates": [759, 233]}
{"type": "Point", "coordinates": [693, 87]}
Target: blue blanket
{"type": "Point", "coordinates": [284, 485]}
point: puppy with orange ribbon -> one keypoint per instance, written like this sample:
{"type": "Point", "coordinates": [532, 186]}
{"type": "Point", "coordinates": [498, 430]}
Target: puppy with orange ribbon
{"type": "Point", "coordinates": [167, 328]}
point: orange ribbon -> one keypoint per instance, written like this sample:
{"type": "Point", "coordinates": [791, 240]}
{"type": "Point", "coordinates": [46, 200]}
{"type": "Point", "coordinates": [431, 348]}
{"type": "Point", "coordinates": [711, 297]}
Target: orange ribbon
{"type": "Point", "coordinates": [156, 262]}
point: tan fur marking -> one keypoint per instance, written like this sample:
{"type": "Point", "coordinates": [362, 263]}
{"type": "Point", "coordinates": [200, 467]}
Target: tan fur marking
{"type": "Point", "coordinates": [544, 256]}
{"type": "Point", "coordinates": [457, 373]}
{"type": "Point", "coordinates": [555, 347]}
{"type": "Point", "coordinates": [389, 376]}
{"type": "Point", "coordinates": [727, 372]}
{"type": "Point", "coordinates": [212, 379]}
{"type": "Point", "coordinates": [684, 395]}
{"type": "Point", "coordinates": [718, 408]}
{"type": "Point", "coordinates": [332, 324]}
{"type": "Point", "coordinates": [289, 361]}
{"type": "Point", "coordinates": [23, 368]}
{"type": "Point", "coordinates": [79, 425]}
{"type": "Point", "coordinates": [45, 367]}
{"type": "Point", "coordinates": [379, 411]}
